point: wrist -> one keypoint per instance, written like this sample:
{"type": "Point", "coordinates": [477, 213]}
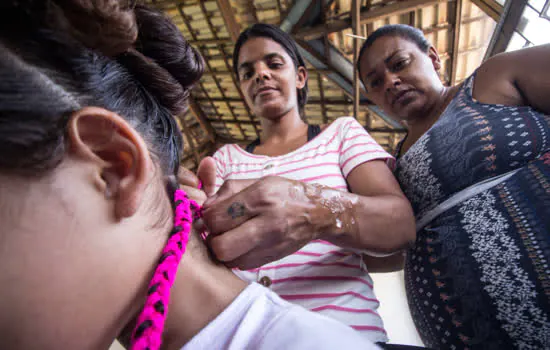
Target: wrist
{"type": "Point", "coordinates": [333, 213]}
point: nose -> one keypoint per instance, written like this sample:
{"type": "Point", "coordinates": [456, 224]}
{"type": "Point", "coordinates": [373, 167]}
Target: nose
{"type": "Point", "coordinates": [262, 72]}
{"type": "Point", "coordinates": [391, 81]}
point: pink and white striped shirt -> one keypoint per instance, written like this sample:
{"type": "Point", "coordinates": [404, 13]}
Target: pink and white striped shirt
{"type": "Point", "coordinates": [321, 277]}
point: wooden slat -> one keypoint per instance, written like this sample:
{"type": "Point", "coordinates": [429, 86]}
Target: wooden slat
{"type": "Point", "coordinates": [229, 18]}
{"type": "Point", "coordinates": [356, 29]}
{"type": "Point", "coordinates": [218, 85]}
{"type": "Point", "coordinates": [190, 140]}
{"type": "Point", "coordinates": [491, 8]}
{"type": "Point", "coordinates": [456, 23]}
{"type": "Point", "coordinates": [194, 37]}
{"type": "Point", "coordinates": [322, 96]}
{"type": "Point", "coordinates": [506, 26]}
{"type": "Point", "coordinates": [199, 115]}
{"type": "Point", "coordinates": [366, 17]}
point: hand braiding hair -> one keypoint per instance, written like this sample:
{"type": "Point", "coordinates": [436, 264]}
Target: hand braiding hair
{"type": "Point", "coordinates": [150, 322]}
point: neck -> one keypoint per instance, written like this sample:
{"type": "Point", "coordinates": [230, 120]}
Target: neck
{"type": "Point", "coordinates": [419, 125]}
{"type": "Point", "coordinates": [282, 129]}
{"type": "Point", "coordinates": [201, 292]}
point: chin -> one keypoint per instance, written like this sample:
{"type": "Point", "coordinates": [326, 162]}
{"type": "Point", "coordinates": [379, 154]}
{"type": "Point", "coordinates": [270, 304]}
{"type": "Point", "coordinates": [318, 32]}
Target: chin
{"type": "Point", "coordinates": [272, 112]}
{"type": "Point", "coordinates": [413, 110]}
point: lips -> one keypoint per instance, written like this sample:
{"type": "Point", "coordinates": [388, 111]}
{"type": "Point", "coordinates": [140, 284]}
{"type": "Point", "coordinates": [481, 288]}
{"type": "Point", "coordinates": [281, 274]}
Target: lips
{"type": "Point", "coordinates": [264, 89]}
{"type": "Point", "coordinates": [399, 96]}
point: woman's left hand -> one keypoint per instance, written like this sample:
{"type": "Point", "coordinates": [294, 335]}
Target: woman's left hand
{"type": "Point", "coordinates": [255, 223]}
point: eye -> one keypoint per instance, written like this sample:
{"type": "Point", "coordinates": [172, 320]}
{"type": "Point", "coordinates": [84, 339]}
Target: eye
{"type": "Point", "coordinates": [399, 65]}
{"type": "Point", "coordinates": [375, 83]}
{"type": "Point", "coordinates": [275, 65]}
{"type": "Point", "coordinates": [246, 75]}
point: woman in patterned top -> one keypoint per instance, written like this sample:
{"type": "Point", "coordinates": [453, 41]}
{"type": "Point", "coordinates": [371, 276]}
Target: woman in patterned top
{"type": "Point", "coordinates": [475, 165]}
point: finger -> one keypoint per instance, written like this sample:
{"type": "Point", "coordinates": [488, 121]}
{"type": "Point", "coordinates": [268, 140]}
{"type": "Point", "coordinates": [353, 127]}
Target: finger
{"type": "Point", "coordinates": [195, 194]}
{"type": "Point", "coordinates": [229, 189]}
{"type": "Point", "coordinates": [187, 178]}
{"type": "Point", "coordinates": [207, 174]}
{"type": "Point", "coordinates": [227, 215]}
{"type": "Point", "coordinates": [232, 244]}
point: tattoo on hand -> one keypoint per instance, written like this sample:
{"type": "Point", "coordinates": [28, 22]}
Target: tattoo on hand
{"type": "Point", "coordinates": [236, 210]}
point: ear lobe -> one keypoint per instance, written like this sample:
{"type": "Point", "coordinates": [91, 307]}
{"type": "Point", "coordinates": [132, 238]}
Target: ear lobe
{"type": "Point", "coordinates": [301, 79]}
{"type": "Point", "coordinates": [434, 57]}
{"type": "Point", "coordinates": [118, 152]}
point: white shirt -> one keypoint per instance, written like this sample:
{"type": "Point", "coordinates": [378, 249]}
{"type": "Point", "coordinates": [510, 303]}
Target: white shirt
{"type": "Point", "coordinates": [258, 319]}
{"type": "Point", "coordinates": [321, 277]}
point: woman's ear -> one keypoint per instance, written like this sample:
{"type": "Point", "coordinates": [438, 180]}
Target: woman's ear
{"type": "Point", "coordinates": [301, 77]}
{"type": "Point", "coordinates": [119, 153]}
{"type": "Point", "coordinates": [434, 57]}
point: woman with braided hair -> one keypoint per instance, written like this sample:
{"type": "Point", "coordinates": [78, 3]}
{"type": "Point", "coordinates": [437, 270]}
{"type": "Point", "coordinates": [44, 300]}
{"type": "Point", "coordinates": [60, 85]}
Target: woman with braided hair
{"type": "Point", "coordinates": [88, 150]}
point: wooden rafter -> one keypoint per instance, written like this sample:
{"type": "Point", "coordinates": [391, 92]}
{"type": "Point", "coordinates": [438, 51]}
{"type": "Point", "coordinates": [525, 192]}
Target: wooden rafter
{"type": "Point", "coordinates": [322, 96]}
{"type": "Point", "coordinates": [456, 24]}
{"type": "Point", "coordinates": [338, 102]}
{"type": "Point", "coordinates": [506, 26]}
{"type": "Point", "coordinates": [199, 115]}
{"type": "Point", "coordinates": [492, 8]}
{"type": "Point", "coordinates": [229, 18]}
{"type": "Point", "coordinates": [190, 140]}
{"type": "Point", "coordinates": [366, 17]}
{"type": "Point", "coordinates": [218, 85]}
{"type": "Point", "coordinates": [194, 37]}
{"type": "Point", "coordinates": [356, 29]}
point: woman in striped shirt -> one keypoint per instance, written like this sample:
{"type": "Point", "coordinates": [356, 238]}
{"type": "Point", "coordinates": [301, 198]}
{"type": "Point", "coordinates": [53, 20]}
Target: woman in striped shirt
{"type": "Point", "coordinates": [297, 209]}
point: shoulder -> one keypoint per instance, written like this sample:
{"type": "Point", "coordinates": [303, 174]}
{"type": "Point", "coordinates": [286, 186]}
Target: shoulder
{"type": "Point", "coordinates": [494, 81]}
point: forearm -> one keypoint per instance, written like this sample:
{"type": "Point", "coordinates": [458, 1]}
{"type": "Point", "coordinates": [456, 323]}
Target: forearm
{"type": "Point", "coordinates": [382, 223]}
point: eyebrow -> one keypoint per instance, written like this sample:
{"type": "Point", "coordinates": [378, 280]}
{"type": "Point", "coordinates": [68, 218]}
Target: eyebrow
{"type": "Point", "coordinates": [386, 60]}
{"type": "Point", "coordinates": [267, 57]}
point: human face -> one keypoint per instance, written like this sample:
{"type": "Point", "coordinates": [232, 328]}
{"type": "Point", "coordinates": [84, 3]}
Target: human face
{"type": "Point", "coordinates": [79, 244]}
{"type": "Point", "coordinates": [268, 78]}
{"type": "Point", "coordinates": [400, 78]}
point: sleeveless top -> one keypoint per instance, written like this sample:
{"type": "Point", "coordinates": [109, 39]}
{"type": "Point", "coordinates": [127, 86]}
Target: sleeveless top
{"type": "Point", "coordinates": [478, 276]}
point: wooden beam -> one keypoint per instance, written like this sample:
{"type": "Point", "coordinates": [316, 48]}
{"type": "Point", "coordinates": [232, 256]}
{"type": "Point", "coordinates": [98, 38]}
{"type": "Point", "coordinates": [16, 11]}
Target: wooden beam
{"type": "Point", "coordinates": [492, 8]}
{"type": "Point", "coordinates": [457, 24]}
{"type": "Point", "coordinates": [356, 29]}
{"type": "Point", "coordinates": [366, 17]}
{"type": "Point", "coordinates": [310, 71]}
{"type": "Point", "coordinates": [322, 95]}
{"type": "Point", "coordinates": [218, 85]}
{"type": "Point", "coordinates": [194, 37]}
{"type": "Point", "coordinates": [328, 102]}
{"type": "Point", "coordinates": [229, 18]}
{"type": "Point", "coordinates": [506, 27]}
{"type": "Point", "coordinates": [209, 41]}
{"type": "Point", "coordinates": [199, 115]}
{"type": "Point", "coordinates": [190, 141]}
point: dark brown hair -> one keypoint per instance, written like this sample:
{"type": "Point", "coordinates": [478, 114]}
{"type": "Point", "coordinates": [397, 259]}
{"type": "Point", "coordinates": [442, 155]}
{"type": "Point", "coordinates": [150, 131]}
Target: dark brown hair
{"type": "Point", "coordinates": [57, 56]}
{"type": "Point", "coordinates": [262, 30]}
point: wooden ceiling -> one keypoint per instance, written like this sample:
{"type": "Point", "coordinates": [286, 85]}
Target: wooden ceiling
{"type": "Point", "coordinates": [460, 29]}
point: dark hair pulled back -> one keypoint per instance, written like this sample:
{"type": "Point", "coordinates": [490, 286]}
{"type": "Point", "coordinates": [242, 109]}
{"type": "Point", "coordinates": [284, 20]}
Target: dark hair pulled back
{"type": "Point", "coordinates": [404, 31]}
{"type": "Point", "coordinates": [262, 30]}
{"type": "Point", "coordinates": [58, 56]}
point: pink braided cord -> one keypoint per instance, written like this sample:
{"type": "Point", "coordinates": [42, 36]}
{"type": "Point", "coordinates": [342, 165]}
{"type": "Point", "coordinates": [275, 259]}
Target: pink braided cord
{"type": "Point", "coordinates": [150, 322]}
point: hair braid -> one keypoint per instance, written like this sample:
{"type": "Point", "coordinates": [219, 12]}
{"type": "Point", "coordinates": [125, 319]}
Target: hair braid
{"type": "Point", "coordinates": [150, 322]}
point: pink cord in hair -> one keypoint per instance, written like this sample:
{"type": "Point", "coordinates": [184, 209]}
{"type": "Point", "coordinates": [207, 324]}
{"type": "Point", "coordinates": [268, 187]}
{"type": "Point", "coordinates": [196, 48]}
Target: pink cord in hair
{"type": "Point", "coordinates": [150, 322]}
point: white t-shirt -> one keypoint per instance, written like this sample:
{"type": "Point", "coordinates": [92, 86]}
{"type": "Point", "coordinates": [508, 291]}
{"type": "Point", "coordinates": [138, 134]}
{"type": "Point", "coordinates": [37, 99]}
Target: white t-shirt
{"type": "Point", "coordinates": [258, 319]}
{"type": "Point", "coordinates": [321, 277]}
